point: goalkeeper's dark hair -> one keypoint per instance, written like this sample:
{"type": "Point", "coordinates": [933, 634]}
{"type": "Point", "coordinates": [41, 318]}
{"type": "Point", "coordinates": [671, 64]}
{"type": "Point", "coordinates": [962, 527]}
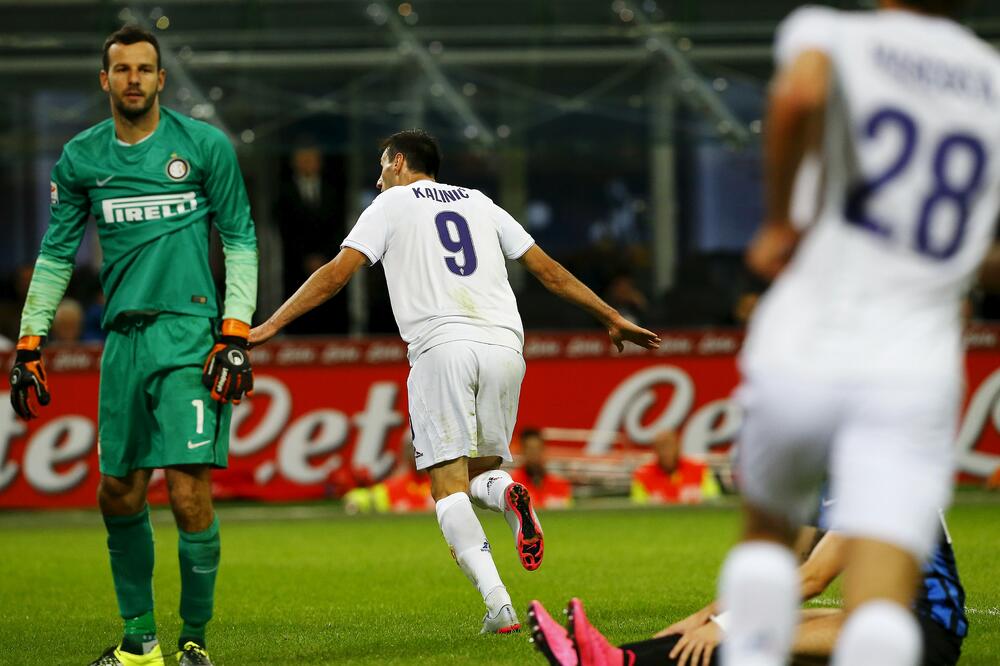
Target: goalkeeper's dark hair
{"type": "Point", "coordinates": [942, 7]}
{"type": "Point", "coordinates": [130, 34]}
{"type": "Point", "coordinates": [418, 147]}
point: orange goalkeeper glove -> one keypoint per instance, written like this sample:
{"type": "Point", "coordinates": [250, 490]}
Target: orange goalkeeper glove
{"type": "Point", "coordinates": [227, 370]}
{"type": "Point", "coordinates": [29, 386]}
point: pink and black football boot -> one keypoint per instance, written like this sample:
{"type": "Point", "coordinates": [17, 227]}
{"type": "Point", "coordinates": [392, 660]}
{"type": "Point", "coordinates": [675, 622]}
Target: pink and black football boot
{"type": "Point", "coordinates": [592, 648]}
{"type": "Point", "coordinates": [550, 637]}
{"type": "Point", "coordinates": [530, 542]}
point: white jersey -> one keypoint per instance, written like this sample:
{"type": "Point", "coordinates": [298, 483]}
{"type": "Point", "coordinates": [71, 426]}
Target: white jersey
{"type": "Point", "coordinates": [444, 249]}
{"type": "Point", "coordinates": [908, 198]}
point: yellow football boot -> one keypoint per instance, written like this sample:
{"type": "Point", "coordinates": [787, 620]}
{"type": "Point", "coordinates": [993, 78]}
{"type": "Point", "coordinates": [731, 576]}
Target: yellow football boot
{"type": "Point", "coordinates": [114, 656]}
{"type": "Point", "coordinates": [193, 655]}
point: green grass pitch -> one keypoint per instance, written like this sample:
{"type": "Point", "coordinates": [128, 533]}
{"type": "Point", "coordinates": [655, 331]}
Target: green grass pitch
{"type": "Point", "coordinates": [308, 585]}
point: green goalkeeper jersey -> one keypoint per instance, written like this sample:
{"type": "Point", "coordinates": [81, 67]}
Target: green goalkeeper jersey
{"type": "Point", "coordinates": [154, 202]}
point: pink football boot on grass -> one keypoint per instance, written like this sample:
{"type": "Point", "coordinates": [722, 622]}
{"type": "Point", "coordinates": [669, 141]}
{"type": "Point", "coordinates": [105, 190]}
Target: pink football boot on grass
{"type": "Point", "coordinates": [592, 648]}
{"type": "Point", "coordinates": [550, 637]}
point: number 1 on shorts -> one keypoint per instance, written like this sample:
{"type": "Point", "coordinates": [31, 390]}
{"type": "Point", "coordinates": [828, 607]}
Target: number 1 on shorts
{"type": "Point", "coordinates": [199, 408]}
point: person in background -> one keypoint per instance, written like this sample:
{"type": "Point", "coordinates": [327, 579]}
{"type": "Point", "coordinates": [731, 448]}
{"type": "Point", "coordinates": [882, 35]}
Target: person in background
{"type": "Point", "coordinates": [22, 282]}
{"type": "Point", "coordinates": [548, 490]}
{"type": "Point", "coordinates": [624, 295]}
{"type": "Point", "coordinates": [92, 315]}
{"type": "Point", "coordinates": [309, 212]}
{"type": "Point", "coordinates": [406, 490]}
{"type": "Point", "coordinates": [993, 483]}
{"type": "Point", "coordinates": [672, 478]}
{"type": "Point", "coordinates": [13, 290]}
{"type": "Point", "coordinates": [67, 325]}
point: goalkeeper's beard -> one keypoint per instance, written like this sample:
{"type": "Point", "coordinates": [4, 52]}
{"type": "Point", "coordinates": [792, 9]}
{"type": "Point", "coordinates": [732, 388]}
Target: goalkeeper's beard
{"type": "Point", "coordinates": [133, 113]}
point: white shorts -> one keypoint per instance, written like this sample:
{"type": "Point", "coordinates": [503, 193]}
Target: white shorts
{"type": "Point", "coordinates": [888, 450]}
{"type": "Point", "coordinates": [463, 399]}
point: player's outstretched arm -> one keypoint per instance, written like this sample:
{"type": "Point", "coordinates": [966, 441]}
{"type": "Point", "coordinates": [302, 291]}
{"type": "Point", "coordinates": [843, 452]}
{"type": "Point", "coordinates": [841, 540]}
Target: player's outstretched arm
{"type": "Point", "coordinates": [563, 284]}
{"type": "Point", "coordinates": [824, 563]}
{"type": "Point", "coordinates": [989, 271]}
{"type": "Point", "coordinates": [794, 126]}
{"type": "Point", "coordinates": [320, 287]}
{"type": "Point", "coordinates": [796, 103]}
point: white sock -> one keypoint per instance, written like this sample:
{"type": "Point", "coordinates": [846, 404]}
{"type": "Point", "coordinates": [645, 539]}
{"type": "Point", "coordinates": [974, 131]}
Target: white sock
{"type": "Point", "coordinates": [497, 599]}
{"type": "Point", "coordinates": [759, 588]}
{"type": "Point", "coordinates": [487, 490]}
{"type": "Point", "coordinates": [462, 531]}
{"type": "Point", "coordinates": [879, 632]}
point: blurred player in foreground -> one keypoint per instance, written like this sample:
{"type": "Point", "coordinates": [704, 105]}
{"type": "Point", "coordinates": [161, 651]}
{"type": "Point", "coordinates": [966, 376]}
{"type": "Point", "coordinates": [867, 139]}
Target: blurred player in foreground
{"type": "Point", "coordinates": [940, 610]}
{"type": "Point", "coordinates": [444, 249]}
{"type": "Point", "coordinates": [151, 178]}
{"type": "Point", "coordinates": [853, 360]}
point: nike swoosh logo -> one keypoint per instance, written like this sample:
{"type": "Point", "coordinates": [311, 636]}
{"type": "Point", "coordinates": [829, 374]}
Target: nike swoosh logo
{"type": "Point", "coordinates": [195, 445]}
{"type": "Point", "coordinates": [204, 570]}
{"type": "Point", "coordinates": [102, 183]}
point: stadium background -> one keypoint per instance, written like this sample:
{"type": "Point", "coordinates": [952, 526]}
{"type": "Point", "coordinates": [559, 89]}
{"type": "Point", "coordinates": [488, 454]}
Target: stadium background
{"type": "Point", "coordinates": [624, 135]}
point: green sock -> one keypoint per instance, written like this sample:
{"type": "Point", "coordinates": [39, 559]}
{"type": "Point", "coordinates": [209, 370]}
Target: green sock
{"type": "Point", "coordinates": [199, 554]}
{"type": "Point", "coordinates": [140, 634]}
{"type": "Point", "coordinates": [130, 547]}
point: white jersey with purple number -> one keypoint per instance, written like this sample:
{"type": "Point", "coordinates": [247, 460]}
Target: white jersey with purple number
{"type": "Point", "coordinates": [444, 249]}
{"type": "Point", "coordinates": [908, 199]}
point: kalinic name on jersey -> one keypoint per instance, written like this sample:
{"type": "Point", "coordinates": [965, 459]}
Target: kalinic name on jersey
{"type": "Point", "coordinates": [440, 195]}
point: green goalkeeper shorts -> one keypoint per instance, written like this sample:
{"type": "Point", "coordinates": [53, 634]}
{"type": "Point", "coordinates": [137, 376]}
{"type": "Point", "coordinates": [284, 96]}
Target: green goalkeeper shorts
{"type": "Point", "coordinates": [153, 410]}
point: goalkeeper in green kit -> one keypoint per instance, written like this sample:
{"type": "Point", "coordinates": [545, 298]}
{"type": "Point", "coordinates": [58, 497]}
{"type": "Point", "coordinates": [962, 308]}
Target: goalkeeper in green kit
{"type": "Point", "coordinates": [155, 181]}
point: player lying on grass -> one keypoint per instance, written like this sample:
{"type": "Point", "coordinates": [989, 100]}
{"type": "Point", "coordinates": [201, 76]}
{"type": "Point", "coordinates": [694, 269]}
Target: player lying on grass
{"type": "Point", "coordinates": [940, 609]}
{"type": "Point", "coordinates": [444, 249]}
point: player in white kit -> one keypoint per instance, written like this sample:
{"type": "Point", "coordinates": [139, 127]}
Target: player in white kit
{"type": "Point", "coordinates": [853, 361]}
{"type": "Point", "coordinates": [444, 249]}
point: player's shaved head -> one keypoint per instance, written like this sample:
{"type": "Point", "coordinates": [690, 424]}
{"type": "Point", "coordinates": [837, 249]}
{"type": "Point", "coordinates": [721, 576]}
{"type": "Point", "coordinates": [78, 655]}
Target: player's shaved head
{"type": "Point", "coordinates": [419, 149]}
{"type": "Point", "coordinates": [129, 34]}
